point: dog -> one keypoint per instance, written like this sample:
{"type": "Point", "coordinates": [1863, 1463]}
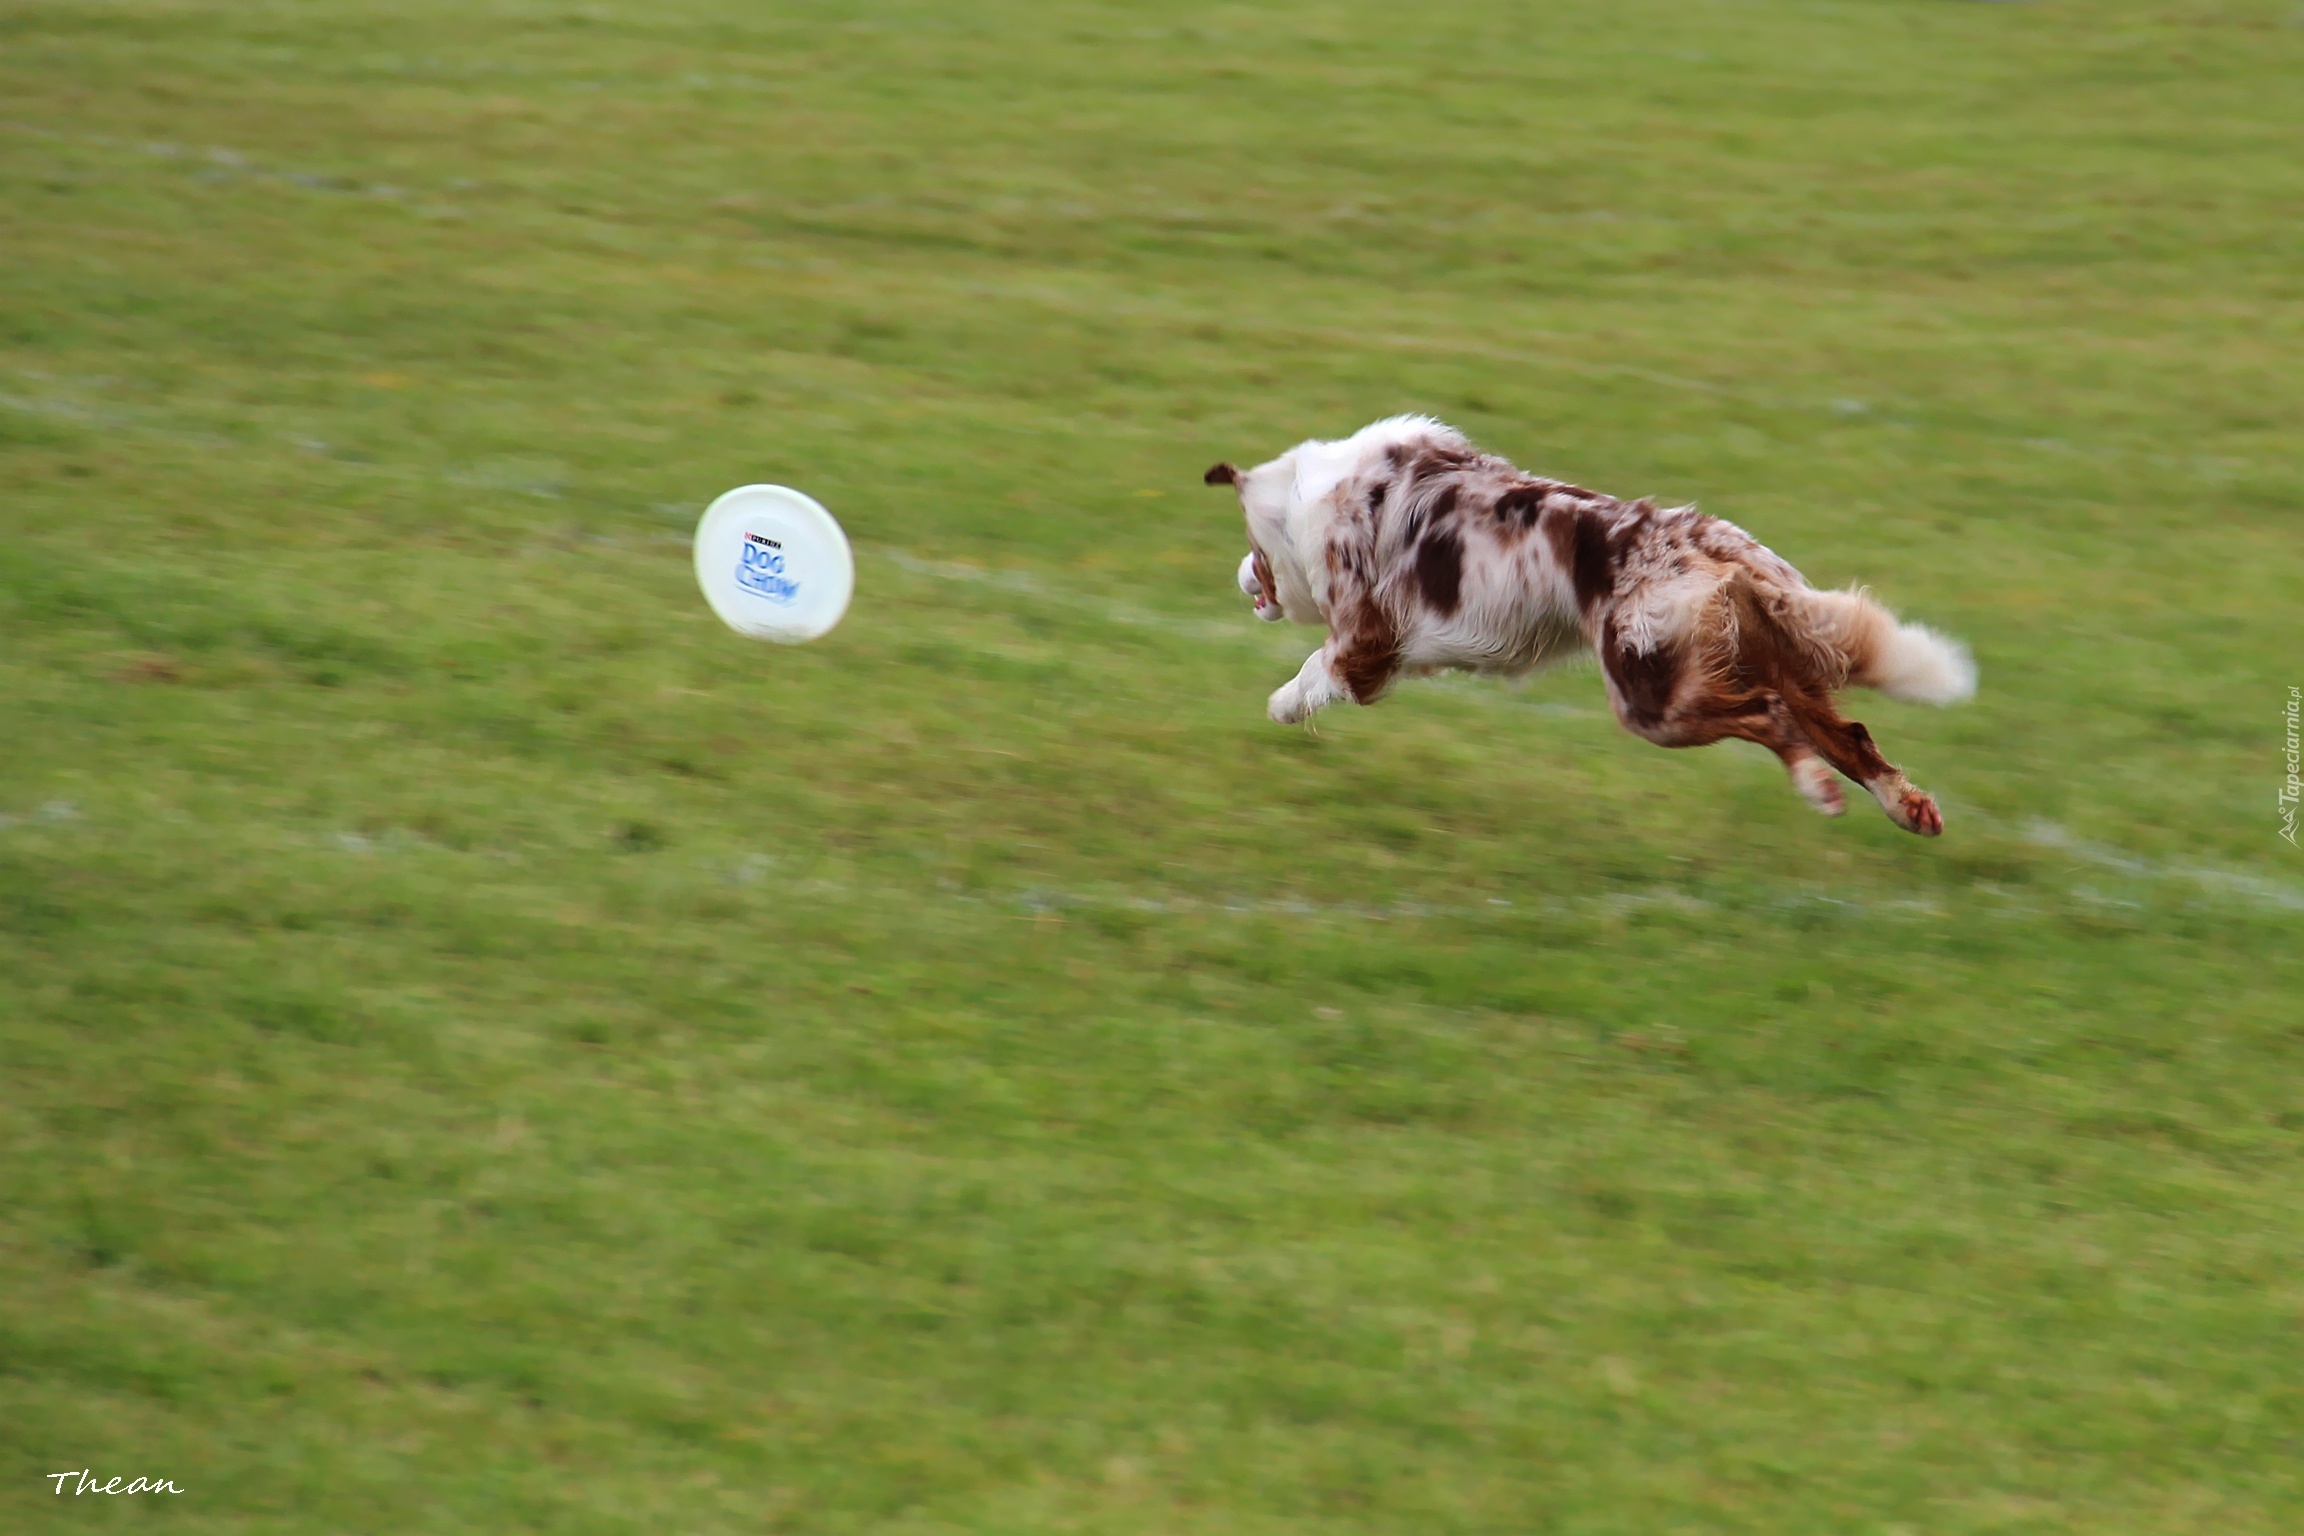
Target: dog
{"type": "Point", "coordinates": [1421, 553]}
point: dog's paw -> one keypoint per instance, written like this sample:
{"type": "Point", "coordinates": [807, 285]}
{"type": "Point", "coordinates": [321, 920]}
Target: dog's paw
{"type": "Point", "coordinates": [1287, 706]}
{"type": "Point", "coordinates": [1916, 812]}
{"type": "Point", "coordinates": [1817, 786]}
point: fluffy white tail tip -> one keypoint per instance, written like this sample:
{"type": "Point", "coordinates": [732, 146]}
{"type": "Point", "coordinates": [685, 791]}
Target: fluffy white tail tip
{"type": "Point", "coordinates": [1921, 666]}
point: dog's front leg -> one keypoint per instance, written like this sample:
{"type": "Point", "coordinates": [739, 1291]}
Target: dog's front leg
{"type": "Point", "coordinates": [1310, 689]}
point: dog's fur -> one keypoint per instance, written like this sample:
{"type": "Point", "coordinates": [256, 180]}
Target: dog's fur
{"type": "Point", "coordinates": [1419, 552]}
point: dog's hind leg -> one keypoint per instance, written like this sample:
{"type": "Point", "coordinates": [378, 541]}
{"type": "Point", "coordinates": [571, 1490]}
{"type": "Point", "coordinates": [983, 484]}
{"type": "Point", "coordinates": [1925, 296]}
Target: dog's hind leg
{"type": "Point", "coordinates": [1848, 747]}
{"type": "Point", "coordinates": [1662, 697]}
{"type": "Point", "coordinates": [1761, 716]}
{"type": "Point", "coordinates": [1768, 720]}
{"type": "Point", "coordinates": [1767, 655]}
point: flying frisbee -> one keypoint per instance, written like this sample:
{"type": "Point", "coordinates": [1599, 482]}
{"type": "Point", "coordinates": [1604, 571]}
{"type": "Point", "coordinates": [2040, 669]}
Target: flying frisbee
{"type": "Point", "coordinates": [773, 564]}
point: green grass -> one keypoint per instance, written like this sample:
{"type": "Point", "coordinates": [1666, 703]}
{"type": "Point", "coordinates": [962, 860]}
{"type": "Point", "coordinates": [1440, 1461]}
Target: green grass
{"type": "Point", "coordinates": [484, 1049]}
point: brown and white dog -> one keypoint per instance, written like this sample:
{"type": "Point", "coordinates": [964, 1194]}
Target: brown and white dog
{"type": "Point", "coordinates": [1420, 552]}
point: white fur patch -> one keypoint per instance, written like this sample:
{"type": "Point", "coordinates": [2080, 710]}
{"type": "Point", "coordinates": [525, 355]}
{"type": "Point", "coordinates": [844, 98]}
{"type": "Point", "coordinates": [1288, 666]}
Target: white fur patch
{"type": "Point", "coordinates": [1923, 667]}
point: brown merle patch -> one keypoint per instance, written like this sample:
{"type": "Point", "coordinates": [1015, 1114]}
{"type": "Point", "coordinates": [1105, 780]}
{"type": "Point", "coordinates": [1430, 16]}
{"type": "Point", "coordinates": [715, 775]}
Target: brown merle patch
{"type": "Point", "coordinates": [1580, 542]}
{"type": "Point", "coordinates": [1645, 680]}
{"type": "Point", "coordinates": [1750, 645]}
{"type": "Point", "coordinates": [1632, 522]}
{"type": "Point", "coordinates": [1440, 570]}
{"type": "Point", "coordinates": [1434, 462]}
{"type": "Point", "coordinates": [1430, 514]}
{"type": "Point", "coordinates": [1368, 658]}
{"type": "Point", "coordinates": [1520, 507]}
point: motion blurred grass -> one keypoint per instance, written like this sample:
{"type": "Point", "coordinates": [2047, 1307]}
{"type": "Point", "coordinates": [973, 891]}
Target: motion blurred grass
{"type": "Point", "coordinates": [486, 1050]}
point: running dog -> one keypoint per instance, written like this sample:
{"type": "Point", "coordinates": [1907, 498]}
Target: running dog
{"type": "Point", "coordinates": [1421, 553]}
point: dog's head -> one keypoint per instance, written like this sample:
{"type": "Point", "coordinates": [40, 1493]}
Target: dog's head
{"type": "Point", "coordinates": [1290, 501]}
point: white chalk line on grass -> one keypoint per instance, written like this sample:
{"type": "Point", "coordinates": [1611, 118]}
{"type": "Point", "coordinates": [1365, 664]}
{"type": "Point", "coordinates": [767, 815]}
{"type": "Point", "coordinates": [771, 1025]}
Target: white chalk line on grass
{"type": "Point", "coordinates": [225, 162]}
{"type": "Point", "coordinates": [1057, 901]}
{"type": "Point", "coordinates": [1038, 900]}
{"type": "Point", "coordinates": [1543, 348]}
{"type": "Point", "coordinates": [1042, 899]}
{"type": "Point", "coordinates": [54, 811]}
{"type": "Point", "coordinates": [2265, 892]}
{"type": "Point", "coordinates": [221, 163]}
{"type": "Point", "coordinates": [1030, 584]}
{"type": "Point", "coordinates": [1289, 643]}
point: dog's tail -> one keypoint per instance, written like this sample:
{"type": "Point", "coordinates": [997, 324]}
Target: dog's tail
{"type": "Point", "coordinates": [1904, 661]}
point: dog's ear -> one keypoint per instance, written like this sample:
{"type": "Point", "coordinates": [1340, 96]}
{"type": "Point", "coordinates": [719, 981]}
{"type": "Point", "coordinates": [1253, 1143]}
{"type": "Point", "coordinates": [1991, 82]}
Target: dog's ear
{"type": "Point", "coordinates": [1220, 474]}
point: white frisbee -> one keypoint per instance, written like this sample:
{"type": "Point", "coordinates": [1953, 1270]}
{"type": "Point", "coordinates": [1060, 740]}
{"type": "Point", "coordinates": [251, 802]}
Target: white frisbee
{"type": "Point", "coordinates": [774, 564]}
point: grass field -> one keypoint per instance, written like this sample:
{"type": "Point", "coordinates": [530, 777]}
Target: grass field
{"type": "Point", "coordinates": [484, 1049]}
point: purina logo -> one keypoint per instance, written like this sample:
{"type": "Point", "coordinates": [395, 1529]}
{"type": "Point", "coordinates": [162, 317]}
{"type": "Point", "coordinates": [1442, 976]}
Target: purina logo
{"type": "Point", "coordinates": [760, 571]}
